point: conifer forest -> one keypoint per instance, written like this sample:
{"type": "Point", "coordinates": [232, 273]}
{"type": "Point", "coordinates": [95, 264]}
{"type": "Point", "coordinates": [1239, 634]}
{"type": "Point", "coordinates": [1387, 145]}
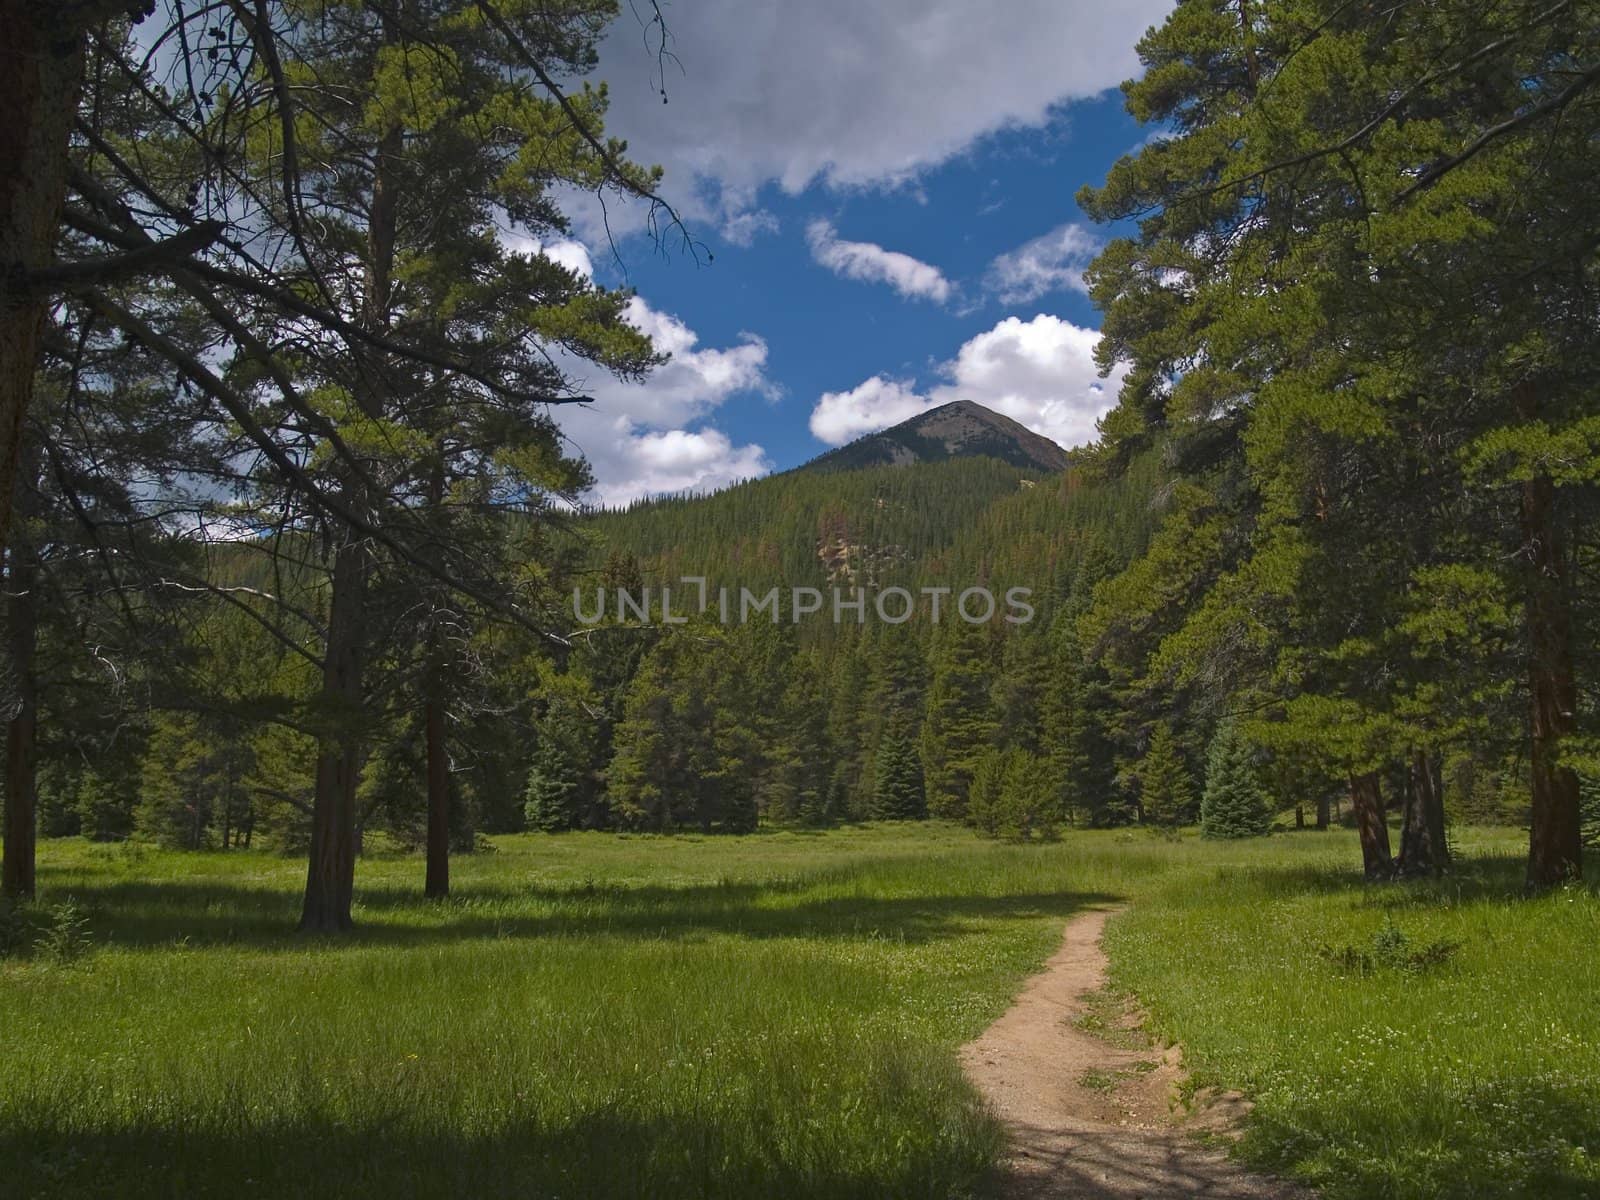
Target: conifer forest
{"type": "Point", "coordinates": [471, 734]}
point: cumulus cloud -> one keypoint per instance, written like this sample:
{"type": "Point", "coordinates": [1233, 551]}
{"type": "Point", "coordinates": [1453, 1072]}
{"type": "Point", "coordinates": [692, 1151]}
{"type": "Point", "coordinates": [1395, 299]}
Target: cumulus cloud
{"type": "Point", "coordinates": [573, 255]}
{"type": "Point", "coordinates": [645, 438]}
{"type": "Point", "coordinates": [840, 417]}
{"type": "Point", "coordinates": [1046, 264]}
{"type": "Point", "coordinates": [1039, 372]}
{"type": "Point", "coordinates": [871, 263]}
{"type": "Point", "coordinates": [853, 94]}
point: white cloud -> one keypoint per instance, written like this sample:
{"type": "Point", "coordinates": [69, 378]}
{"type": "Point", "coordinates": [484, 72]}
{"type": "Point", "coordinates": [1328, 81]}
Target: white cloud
{"type": "Point", "coordinates": [1046, 264]}
{"type": "Point", "coordinates": [574, 256]}
{"type": "Point", "coordinates": [645, 438]}
{"type": "Point", "coordinates": [854, 94]}
{"type": "Point", "coordinates": [871, 263]}
{"type": "Point", "coordinates": [1039, 372]}
{"type": "Point", "coordinates": [840, 417]}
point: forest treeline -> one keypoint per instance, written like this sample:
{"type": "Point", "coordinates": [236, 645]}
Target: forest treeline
{"type": "Point", "coordinates": [291, 534]}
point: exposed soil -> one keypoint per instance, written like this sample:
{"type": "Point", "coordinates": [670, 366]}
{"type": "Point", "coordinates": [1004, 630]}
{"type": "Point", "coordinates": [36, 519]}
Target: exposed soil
{"type": "Point", "coordinates": [1092, 1109]}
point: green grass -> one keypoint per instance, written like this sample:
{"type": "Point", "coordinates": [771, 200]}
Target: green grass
{"type": "Point", "coordinates": [1376, 1070]}
{"type": "Point", "coordinates": [589, 1016]}
{"type": "Point", "coordinates": [775, 1015]}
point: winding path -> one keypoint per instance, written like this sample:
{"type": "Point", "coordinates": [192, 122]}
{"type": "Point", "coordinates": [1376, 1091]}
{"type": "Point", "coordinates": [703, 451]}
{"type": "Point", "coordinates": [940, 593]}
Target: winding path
{"type": "Point", "coordinates": [1090, 1120]}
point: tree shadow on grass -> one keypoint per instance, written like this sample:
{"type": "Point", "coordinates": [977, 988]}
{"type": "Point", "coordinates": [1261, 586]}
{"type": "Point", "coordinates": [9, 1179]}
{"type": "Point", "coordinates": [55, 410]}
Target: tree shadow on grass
{"type": "Point", "coordinates": [197, 914]}
{"type": "Point", "coordinates": [1469, 878]}
{"type": "Point", "coordinates": [603, 1156]}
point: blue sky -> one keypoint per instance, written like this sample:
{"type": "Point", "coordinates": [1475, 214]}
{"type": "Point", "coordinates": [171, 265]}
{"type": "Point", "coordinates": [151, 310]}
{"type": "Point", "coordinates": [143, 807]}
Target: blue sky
{"type": "Point", "coordinates": [887, 190]}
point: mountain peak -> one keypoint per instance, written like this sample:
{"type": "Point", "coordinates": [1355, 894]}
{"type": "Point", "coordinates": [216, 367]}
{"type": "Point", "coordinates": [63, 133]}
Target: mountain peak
{"type": "Point", "coordinates": [960, 429]}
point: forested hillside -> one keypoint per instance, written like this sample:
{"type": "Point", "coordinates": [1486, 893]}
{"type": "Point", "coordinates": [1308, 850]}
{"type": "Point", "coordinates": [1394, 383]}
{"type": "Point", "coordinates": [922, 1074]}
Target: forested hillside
{"type": "Point", "coordinates": [297, 535]}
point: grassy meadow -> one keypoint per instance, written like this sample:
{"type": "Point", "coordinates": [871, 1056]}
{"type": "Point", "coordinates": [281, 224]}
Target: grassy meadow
{"type": "Point", "coordinates": [595, 1015]}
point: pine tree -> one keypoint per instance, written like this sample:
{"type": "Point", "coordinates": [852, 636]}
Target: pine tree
{"type": "Point", "coordinates": [105, 807]}
{"type": "Point", "coordinates": [1166, 791]}
{"type": "Point", "coordinates": [561, 791]}
{"type": "Point", "coordinates": [897, 792]}
{"type": "Point", "coordinates": [987, 794]}
{"type": "Point", "coordinates": [1234, 806]}
{"type": "Point", "coordinates": [1017, 698]}
{"type": "Point", "coordinates": [553, 800]}
{"type": "Point", "coordinates": [959, 725]}
{"type": "Point", "coordinates": [1027, 808]}
{"type": "Point", "coordinates": [190, 784]}
{"type": "Point", "coordinates": [849, 733]}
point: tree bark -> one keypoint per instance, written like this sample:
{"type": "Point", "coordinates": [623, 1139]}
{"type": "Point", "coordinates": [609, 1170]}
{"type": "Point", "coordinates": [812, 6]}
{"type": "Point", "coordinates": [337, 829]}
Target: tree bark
{"type": "Point", "coordinates": [1432, 769]}
{"type": "Point", "coordinates": [330, 874]}
{"type": "Point", "coordinates": [437, 884]}
{"type": "Point", "coordinates": [40, 74]}
{"type": "Point", "coordinates": [22, 615]}
{"type": "Point", "coordinates": [1366, 802]}
{"type": "Point", "coordinates": [1324, 811]}
{"type": "Point", "coordinates": [335, 839]}
{"type": "Point", "coordinates": [1555, 840]}
{"type": "Point", "coordinates": [1422, 849]}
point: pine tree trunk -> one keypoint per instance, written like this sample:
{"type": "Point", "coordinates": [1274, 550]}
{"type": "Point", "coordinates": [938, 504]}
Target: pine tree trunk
{"type": "Point", "coordinates": [39, 81]}
{"type": "Point", "coordinates": [1366, 802]}
{"type": "Point", "coordinates": [1422, 849]}
{"type": "Point", "coordinates": [17, 873]}
{"type": "Point", "coordinates": [1555, 841]}
{"type": "Point", "coordinates": [1433, 805]}
{"type": "Point", "coordinates": [330, 874]}
{"type": "Point", "coordinates": [335, 838]}
{"type": "Point", "coordinates": [437, 886]}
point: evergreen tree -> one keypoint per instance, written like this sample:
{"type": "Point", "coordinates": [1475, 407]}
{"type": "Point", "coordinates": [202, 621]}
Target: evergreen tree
{"type": "Point", "coordinates": [897, 792]}
{"type": "Point", "coordinates": [1018, 696]}
{"type": "Point", "coordinates": [686, 752]}
{"type": "Point", "coordinates": [1028, 809]}
{"type": "Point", "coordinates": [1166, 791]}
{"type": "Point", "coordinates": [987, 793]}
{"type": "Point", "coordinates": [191, 784]}
{"type": "Point", "coordinates": [1233, 806]}
{"type": "Point", "coordinates": [105, 807]}
{"type": "Point", "coordinates": [798, 784]}
{"type": "Point", "coordinates": [849, 733]}
{"type": "Point", "coordinates": [959, 725]}
{"type": "Point", "coordinates": [561, 791]}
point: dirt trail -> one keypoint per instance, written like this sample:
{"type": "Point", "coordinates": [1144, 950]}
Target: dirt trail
{"type": "Point", "coordinates": [1092, 1115]}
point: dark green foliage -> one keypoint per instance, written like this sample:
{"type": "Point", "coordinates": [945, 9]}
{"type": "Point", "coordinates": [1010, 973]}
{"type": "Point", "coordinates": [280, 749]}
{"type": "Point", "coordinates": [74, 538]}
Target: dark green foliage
{"type": "Point", "coordinates": [191, 788]}
{"type": "Point", "coordinates": [1390, 950]}
{"type": "Point", "coordinates": [897, 789]}
{"type": "Point", "coordinates": [797, 787]}
{"type": "Point", "coordinates": [562, 789]}
{"type": "Point", "coordinates": [1589, 789]}
{"type": "Point", "coordinates": [1166, 789]}
{"type": "Point", "coordinates": [957, 726]}
{"type": "Point", "coordinates": [1017, 698]}
{"type": "Point", "coordinates": [105, 806]}
{"type": "Point", "coordinates": [1080, 759]}
{"type": "Point", "coordinates": [1234, 804]}
{"type": "Point", "coordinates": [686, 751]}
{"type": "Point", "coordinates": [58, 807]}
{"type": "Point", "coordinates": [1012, 796]}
